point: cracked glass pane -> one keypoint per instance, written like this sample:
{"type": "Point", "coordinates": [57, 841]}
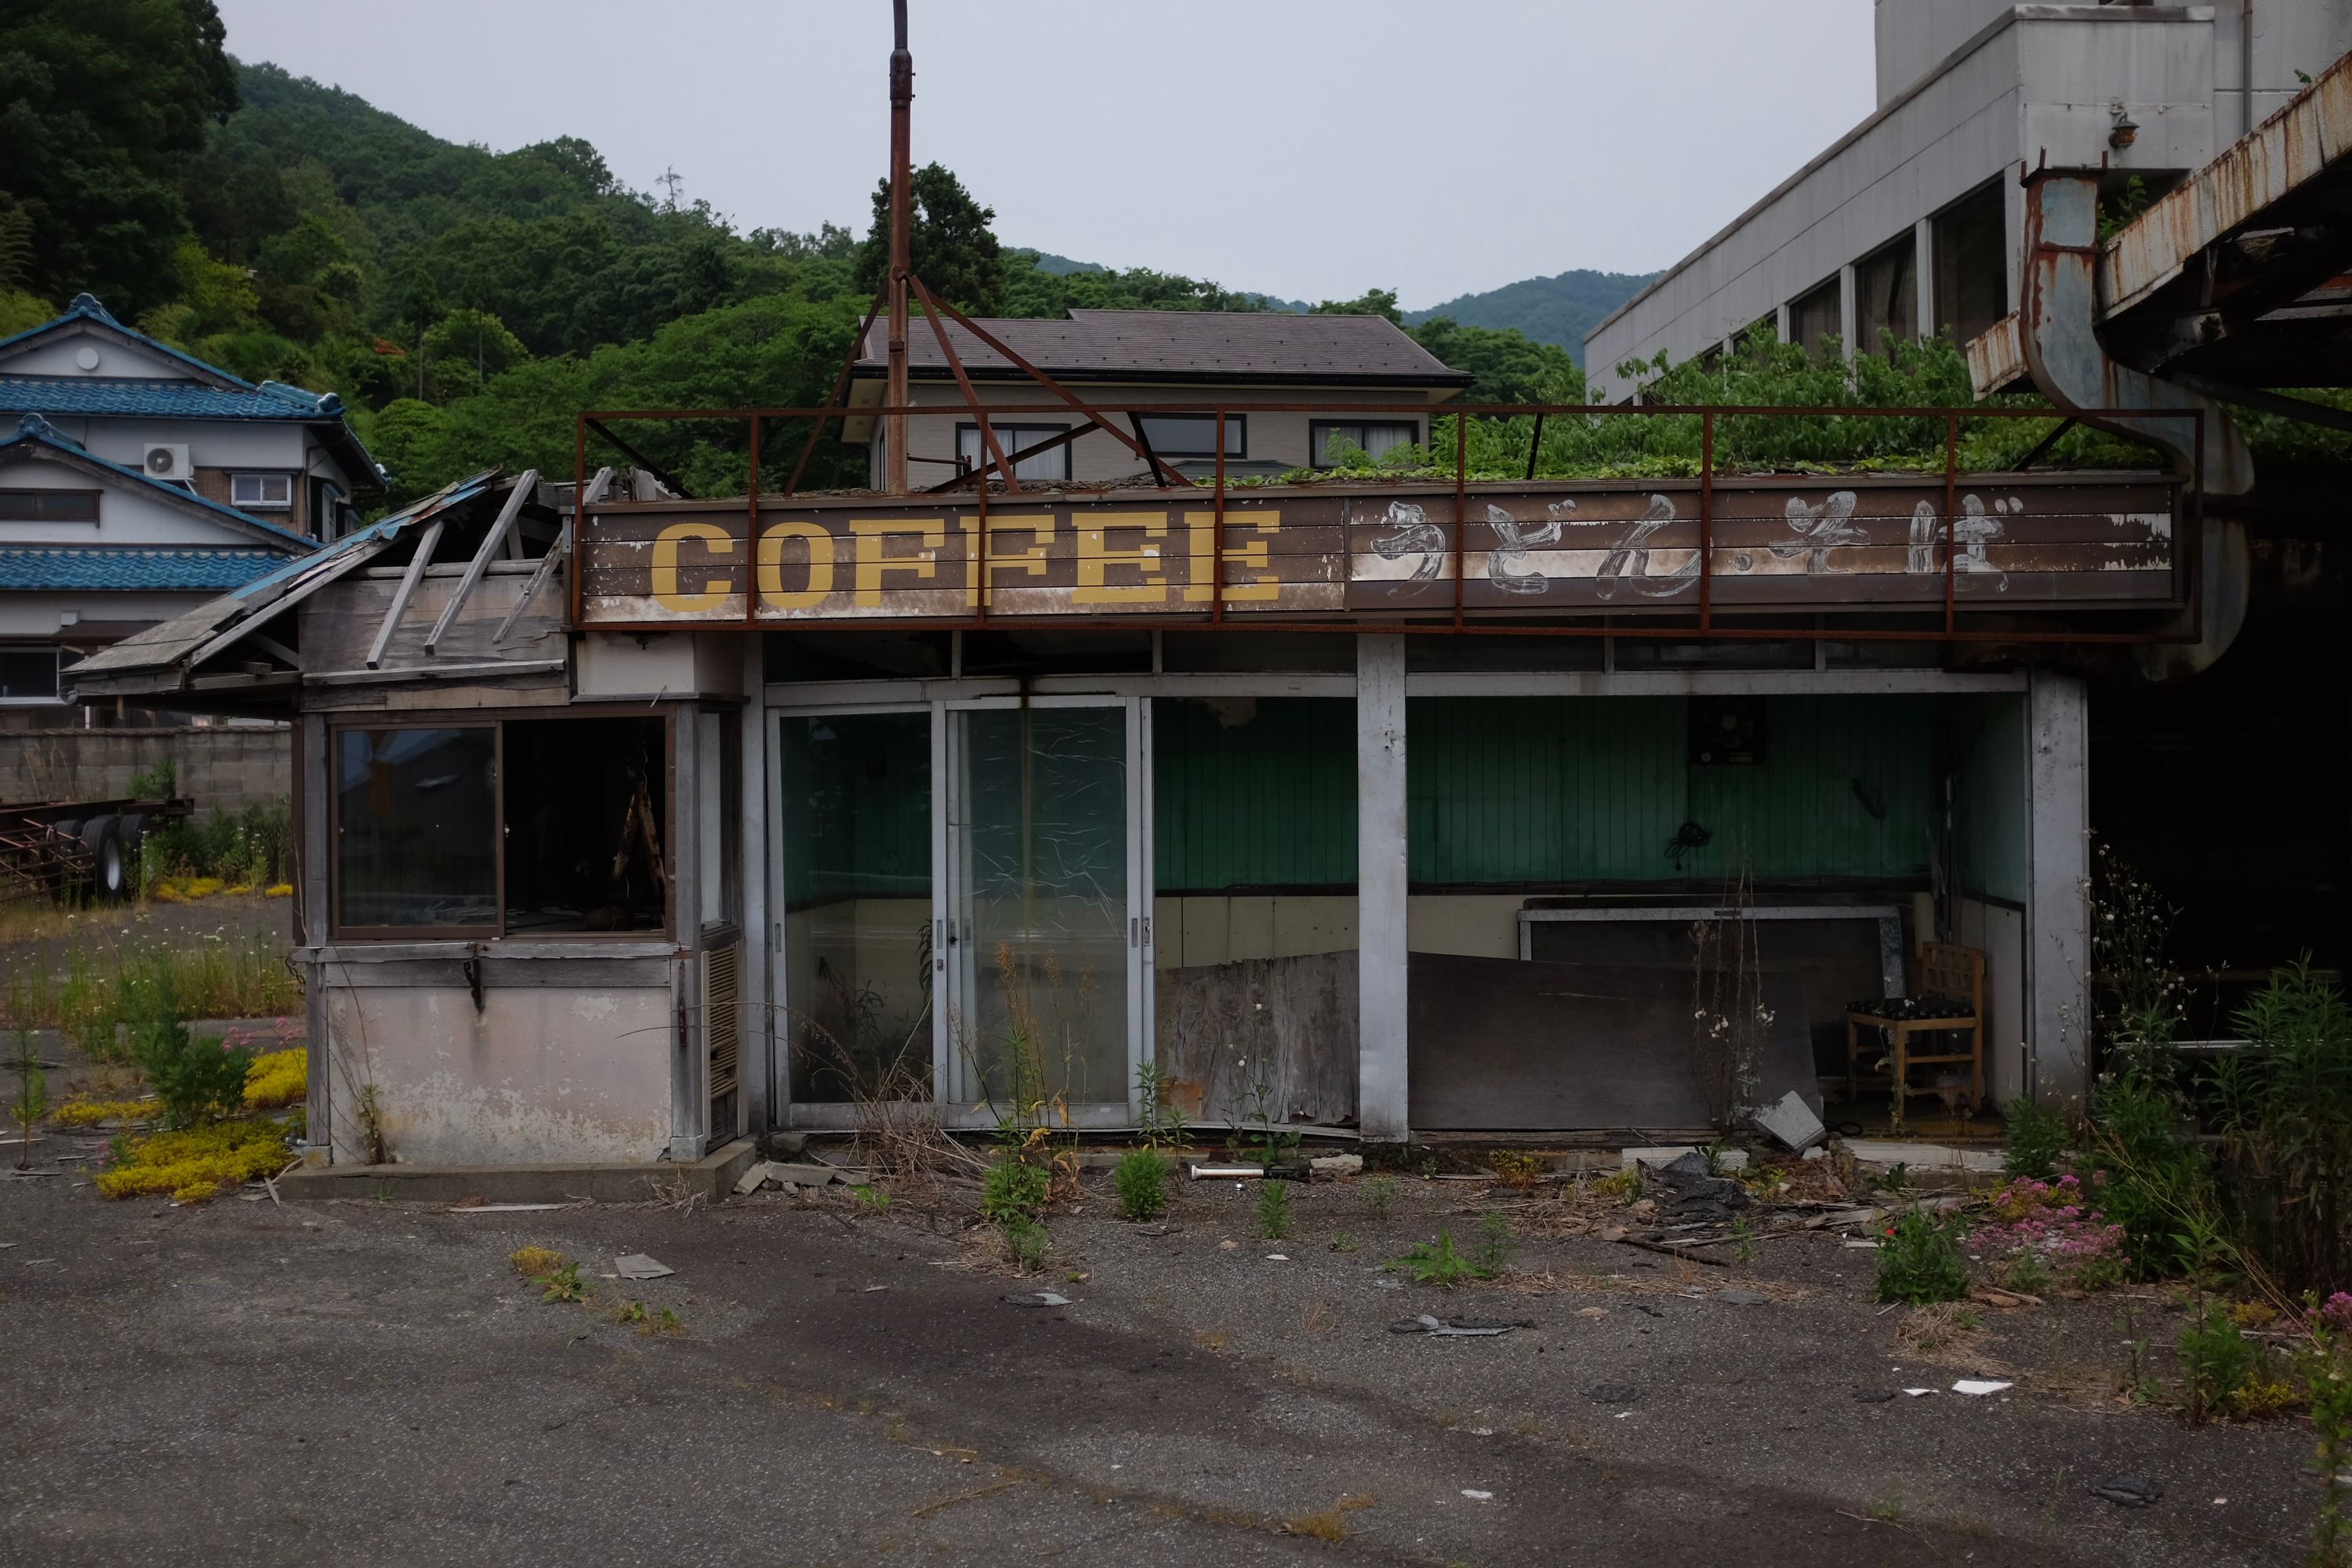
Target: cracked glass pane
{"type": "Point", "coordinates": [857, 905]}
{"type": "Point", "coordinates": [1042, 915]}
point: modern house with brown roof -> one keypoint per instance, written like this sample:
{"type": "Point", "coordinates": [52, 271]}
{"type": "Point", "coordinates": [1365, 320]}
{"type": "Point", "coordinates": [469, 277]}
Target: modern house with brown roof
{"type": "Point", "coordinates": [1126, 357]}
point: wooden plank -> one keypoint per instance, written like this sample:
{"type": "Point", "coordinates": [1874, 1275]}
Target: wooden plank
{"type": "Point", "coordinates": [1292, 1021]}
{"type": "Point", "coordinates": [501, 529]}
{"type": "Point", "coordinates": [408, 581]}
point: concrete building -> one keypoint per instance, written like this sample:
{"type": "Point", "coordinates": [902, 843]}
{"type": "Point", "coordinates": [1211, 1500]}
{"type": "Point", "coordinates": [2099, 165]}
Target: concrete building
{"type": "Point", "coordinates": [1914, 222]}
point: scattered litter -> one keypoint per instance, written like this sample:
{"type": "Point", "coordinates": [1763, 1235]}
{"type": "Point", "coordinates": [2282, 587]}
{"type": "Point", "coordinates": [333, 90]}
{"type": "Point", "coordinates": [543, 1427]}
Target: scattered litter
{"type": "Point", "coordinates": [1872, 1396]}
{"type": "Point", "coordinates": [4, 1246]}
{"type": "Point", "coordinates": [1792, 1122]}
{"type": "Point", "coordinates": [1646, 1307]}
{"type": "Point", "coordinates": [1738, 1297]}
{"type": "Point", "coordinates": [2219, 1500]}
{"type": "Point", "coordinates": [1277, 1258]}
{"type": "Point", "coordinates": [1924, 1156]}
{"type": "Point", "coordinates": [251, 1197]}
{"type": "Point", "coordinates": [871, 1288]}
{"type": "Point", "coordinates": [1229, 1247]}
{"type": "Point", "coordinates": [1389, 1284]}
{"type": "Point", "coordinates": [1038, 1299]}
{"type": "Point", "coordinates": [1476, 1496]}
{"type": "Point", "coordinates": [753, 1178]}
{"type": "Point", "coordinates": [1622, 1414]}
{"type": "Point", "coordinates": [1665, 1155]}
{"type": "Point", "coordinates": [2131, 1492]}
{"type": "Point", "coordinates": [1612, 1393]}
{"type": "Point", "coordinates": [1917, 1392]}
{"type": "Point", "coordinates": [1336, 1165]}
{"type": "Point", "coordinates": [501, 1209]}
{"type": "Point", "coordinates": [1977, 1387]}
{"type": "Point", "coordinates": [1160, 1230]}
{"type": "Point", "coordinates": [1457, 1327]}
{"type": "Point", "coordinates": [638, 1266]}
{"type": "Point", "coordinates": [801, 1175]}
{"type": "Point", "coordinates": [1595, 1313]}
{"type": "Point", "coordinates": [1226, 1173]}
{"type": "Point", "coordinates": [1482, 1431]}
{"type": "Point", "coordinates": [1862, 1244]}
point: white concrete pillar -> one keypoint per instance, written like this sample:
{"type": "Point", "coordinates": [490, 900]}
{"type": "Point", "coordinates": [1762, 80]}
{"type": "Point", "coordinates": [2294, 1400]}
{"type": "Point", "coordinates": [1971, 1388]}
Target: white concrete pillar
{"type": "Point", "coordinates": [1781, 320]}
{"type": "Point", "coordinates": [1380, 888]}
{"type": "Point", "coordinates": [1922, 275]}
{"type": "Point", "coordinates": [1849, 312]}
{"type": "Point", "coordinates": [2057, 867]}
{"type": "Point", "coordinates": [757, 1071]}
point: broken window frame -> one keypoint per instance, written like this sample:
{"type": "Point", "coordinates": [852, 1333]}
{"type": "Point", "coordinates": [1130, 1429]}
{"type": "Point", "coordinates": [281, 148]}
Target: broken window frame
{"type": "Point", "coordinates": [496, 720]}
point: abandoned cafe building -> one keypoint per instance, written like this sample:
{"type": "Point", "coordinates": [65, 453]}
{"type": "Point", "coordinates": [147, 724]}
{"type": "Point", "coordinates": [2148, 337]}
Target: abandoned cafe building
{"type": "Point", "coordinates": [633, 821]}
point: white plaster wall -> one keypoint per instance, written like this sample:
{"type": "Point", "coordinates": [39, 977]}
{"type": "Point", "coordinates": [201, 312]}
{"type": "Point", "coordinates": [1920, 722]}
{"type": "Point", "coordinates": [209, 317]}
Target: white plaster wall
{"type": "Point", "coordinates": [44, 614]}
{"type": "Point", "coordinates": [1221, 928]}
{"type": "Point", "coordinates": [116, 360]}
{"type": "Point", "coordinates": [1271, 436]}
{"type": "Point", "coordinates": [1913, 36]}
{"type": "Point", "coordinates": [1999, 932]}
{"type": "Point", "coordinates": [542, 1073]}
{"type": "Point", "coordinates": [277, 447]}
{"type": "Point", "coordinates": [128, 514]}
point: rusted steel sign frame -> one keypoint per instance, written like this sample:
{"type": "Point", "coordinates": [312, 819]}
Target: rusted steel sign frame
{"type": "Point", "coordinates": [1460, 622]}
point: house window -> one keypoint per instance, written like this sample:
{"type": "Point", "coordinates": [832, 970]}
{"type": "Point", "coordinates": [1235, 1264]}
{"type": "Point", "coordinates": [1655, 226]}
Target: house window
{"type": "Point", "coordinates": [266, 492]}
{"type": "Point", "coordinates": [1887, 299]}
{"type": "Point", "coordinates": [48, 506]}
{"type": "Point", "coordinates": [506, 828]}
{"type": "Point", "coordinates": [1010, 440]}
{"type": "Point", "coordinates": [1329, 439]}
{"type": "Point", "coordinates": [1971, 257]}
{"type": "Point", "coordinates": [1815, 316]}
{"type": "Point", "coordinates": [30, 673]}
{"type": "Point", "coordinates": [1193, 434]}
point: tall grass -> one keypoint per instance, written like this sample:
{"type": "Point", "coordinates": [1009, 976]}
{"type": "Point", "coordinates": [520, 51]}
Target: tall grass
{"type": "Point", "coordinates": [212, 977]}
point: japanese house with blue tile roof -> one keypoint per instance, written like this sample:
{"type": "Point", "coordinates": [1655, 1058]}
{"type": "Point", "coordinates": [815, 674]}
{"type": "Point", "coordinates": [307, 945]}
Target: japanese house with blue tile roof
{"type": "Point", "coordinates": [137, 482]}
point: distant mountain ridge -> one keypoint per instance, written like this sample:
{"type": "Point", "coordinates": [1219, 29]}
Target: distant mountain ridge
{"type": "Point", "coordinates": [1557, 309]}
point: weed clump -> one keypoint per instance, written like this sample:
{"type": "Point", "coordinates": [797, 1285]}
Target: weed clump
{"type": "Point", "coordinates": [197, 1080]}
{"type": "Point", "coordinates": [1012, 1191]}
{"type": "Point", "coordinates": [87, 1110]}
{"type": "Point", "coordinates": [1140, 1180]}
{"type": "Point", "coordinates": [1436, 1263]}
{"type": "Point", "coordinates": [194, 1163]}
{"type": "Point", "coordinates": [1273, 1209]}
{"type": "Point", "coordinates": [531, 1262]}
{"type": "Point", "coordinates": [1919, 1261]}
{"type": "Point", "coordinates": [277, 1078]}
{"type": "Point", "coordinates": [2037, 1137]}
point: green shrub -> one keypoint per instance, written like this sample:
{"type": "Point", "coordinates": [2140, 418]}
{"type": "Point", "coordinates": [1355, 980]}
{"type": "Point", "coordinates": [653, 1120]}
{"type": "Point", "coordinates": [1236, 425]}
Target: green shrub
{"type": "Point", "coordinates": [197, 1080]}
{"type": "Point", "coordinates": [2283, 1110]}
{"type": "Point", "coordinates": [1436, 1263]}
{"type": "Point", "coordinates": [1026, 1242]}
{"type": "Point", "coordinates": [2217, 1362]}
{"type": "Point", "coordinates": [1012, 1191]}
{"type": "Point", "coordinates": [2037, 1136]}
{"type": "Point", "coordinates": [1272, 1209]}
{"type": "Point", "coordinates": [1495, 1243]}
{"type": "Point", "coordinates": [1140, 1179]}
{"type": "Point", "coordinates": [1919, 1261]}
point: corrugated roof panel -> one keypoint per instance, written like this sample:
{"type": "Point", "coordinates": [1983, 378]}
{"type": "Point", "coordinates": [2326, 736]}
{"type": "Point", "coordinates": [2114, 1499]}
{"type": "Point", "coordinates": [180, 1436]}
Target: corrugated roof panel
{"type": "Point", "coordinates": [78, 397]}
{"type": "Point", "coordinates": [76, 568]}
{"type": "Point", "coordinates": [1163, 344]}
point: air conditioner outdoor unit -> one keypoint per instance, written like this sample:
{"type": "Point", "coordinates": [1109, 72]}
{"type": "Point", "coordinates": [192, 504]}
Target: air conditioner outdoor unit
{"type": "Point", "coordinates": [168, 461]}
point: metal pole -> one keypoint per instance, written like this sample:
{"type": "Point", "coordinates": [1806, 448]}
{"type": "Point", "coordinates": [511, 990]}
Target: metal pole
{"type": "Point", "coordinates": [1707, 520]}
{"type": "Point", "coordinates": [1951, 514]}
{"type": "Point", "coordinates": [1217, 505]}
{"type": "Point", "coordinates": [1460, 502]}
{"type": "Point", "coordinates": [751, 534]}
{"type": "Point", "coordinates": [902, 101]}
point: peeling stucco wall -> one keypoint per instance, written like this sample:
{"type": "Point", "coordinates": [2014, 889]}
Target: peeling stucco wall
{"type": "Point", "coordinates": [540, 1074]}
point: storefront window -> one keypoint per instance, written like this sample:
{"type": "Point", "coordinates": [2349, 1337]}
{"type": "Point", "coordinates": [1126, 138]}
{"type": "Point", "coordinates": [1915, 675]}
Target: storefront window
{"type": "Point", "coordinates": [417, 827]}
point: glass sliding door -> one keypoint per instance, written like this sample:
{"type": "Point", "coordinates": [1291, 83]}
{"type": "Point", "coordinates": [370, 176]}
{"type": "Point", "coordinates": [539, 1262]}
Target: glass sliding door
{"type": "Point", "coordinates": [856, 841]}
{"type": "Point", "coordinates": [1047, 904]}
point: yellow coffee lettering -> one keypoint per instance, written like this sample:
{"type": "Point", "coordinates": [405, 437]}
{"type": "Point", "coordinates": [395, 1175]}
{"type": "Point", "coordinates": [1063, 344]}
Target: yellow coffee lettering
{"type": "Point", "coordinates": [771, 567]}
{"type": "Point", "coordinates": [1254, 557]}
{"type": "Point", "coordinates": [667, 594]}
{"type": "Point", "coordinates": [1039, 526]}
{"type": "Point", "coordinates": [873, 560]}
{"type": "Point", "coordinates": [1095, 559]}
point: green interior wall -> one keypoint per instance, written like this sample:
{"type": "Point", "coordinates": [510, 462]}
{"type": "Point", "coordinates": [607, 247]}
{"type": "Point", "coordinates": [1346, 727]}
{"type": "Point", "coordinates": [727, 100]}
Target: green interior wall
{"type": "Point", "coordinates": [1542, 790]}
{"type": "Point", "coordinates": [1255, 792]}
{"type": "Point", "coordinates": [857, 807]}
{"type": "Point", "coordinates": [1988, 795]}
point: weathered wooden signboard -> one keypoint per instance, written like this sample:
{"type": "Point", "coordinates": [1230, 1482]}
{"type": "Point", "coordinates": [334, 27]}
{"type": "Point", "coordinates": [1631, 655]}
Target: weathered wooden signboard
{"type": "Point", "coordinates": [2021, 541]}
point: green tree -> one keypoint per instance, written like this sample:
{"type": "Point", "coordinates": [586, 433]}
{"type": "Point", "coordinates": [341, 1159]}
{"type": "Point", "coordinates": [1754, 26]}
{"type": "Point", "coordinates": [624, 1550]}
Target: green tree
{"type": "Point", "coordinates": [1507, 365]}
{"type": "Point", "coordinates": [953, 250]}
{"type": "Point", "coordinates": [1371, 302]}
{"type": "Point", "coordinates": [103, 109]}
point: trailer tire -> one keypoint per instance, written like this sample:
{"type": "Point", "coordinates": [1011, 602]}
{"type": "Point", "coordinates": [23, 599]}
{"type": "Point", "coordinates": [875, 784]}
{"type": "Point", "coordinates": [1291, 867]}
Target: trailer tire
{"type": "Point", "coordinates": [109, 878]}
{"type": "Point", "coordinates": [130, 828]}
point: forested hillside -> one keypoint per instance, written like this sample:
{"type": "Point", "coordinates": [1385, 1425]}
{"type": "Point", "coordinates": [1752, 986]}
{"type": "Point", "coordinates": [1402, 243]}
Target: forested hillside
{"type": "Point", "coordinates": [466, 303]}
{"type": "Point", "coordinates": [1557, 309]}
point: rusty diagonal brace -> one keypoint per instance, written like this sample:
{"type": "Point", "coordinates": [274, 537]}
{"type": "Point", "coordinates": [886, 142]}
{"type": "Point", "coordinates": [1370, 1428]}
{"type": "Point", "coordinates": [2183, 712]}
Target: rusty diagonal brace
{"type": "Point", "coordinates": [1015, 459]}
{"type": "Point", "coordinates": [647, 464]}
{"type": "Point", "coordinates": [970, 398]}
{"type": "Point", "coordinates": [840, 385]}
{"type": "Point", "coordinates": [1056, 388]}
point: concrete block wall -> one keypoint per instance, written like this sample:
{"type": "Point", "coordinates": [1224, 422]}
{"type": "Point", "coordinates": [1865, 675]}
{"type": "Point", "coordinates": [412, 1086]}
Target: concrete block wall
{"type": "Point", "coordinates": [218, 766]}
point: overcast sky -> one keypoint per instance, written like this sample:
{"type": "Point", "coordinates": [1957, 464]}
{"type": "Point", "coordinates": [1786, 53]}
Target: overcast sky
{"type": "Point", "coordinates": [1310, 148]}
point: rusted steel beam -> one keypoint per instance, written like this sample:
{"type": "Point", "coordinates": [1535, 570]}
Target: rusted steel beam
{"type": "Point", "coordinates": [1705, 520]}
{"type": "Point", "coordinates": [901, 271]}
{"type": "Point", "coordinates": [1217, 550]}
{"type": "Point", "coordinates": [1951, 514]}
{"type": "Point", "coordinates": [1535, 446]}
{"type": "Point", "coordinates": [971, 399]}
{"type": "Point", "coordinates": [1461, 507]}
{"type": "Point", "coordinates": [647, 464]}
{"type": "Point", "coordinates": [1015, 459]}
{"type": "Point", "coordinates": [2043, 447]}
{"type": "Point", "coordinates": [840, 386]}
{"type": "Point", "coordinates": [1058, 390]}
{"type": "Point", "coordinates": [752, 529]}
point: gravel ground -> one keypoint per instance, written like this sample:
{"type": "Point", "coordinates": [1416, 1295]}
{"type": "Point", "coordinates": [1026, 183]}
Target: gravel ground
{"type": "Point", "coordinates": [251, 1384]}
